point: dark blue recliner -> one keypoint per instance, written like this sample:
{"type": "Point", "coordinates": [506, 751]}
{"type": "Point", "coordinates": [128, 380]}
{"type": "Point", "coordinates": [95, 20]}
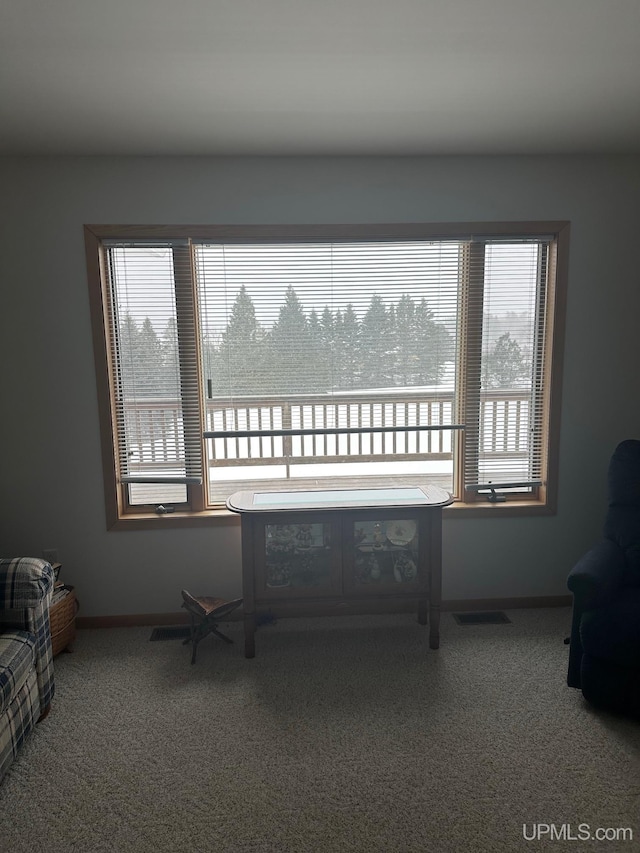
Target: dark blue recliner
{"type": "Point", "coordinates": [604, 655]}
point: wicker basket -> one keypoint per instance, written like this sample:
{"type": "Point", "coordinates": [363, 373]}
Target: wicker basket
{"type": "Point", "coordinates": [62, 618]}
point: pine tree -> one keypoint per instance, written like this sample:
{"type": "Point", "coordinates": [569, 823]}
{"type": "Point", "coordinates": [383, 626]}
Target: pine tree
{"type": "Point", "coordinates": [150, 360]}
{"type": "Point", "coordinates": [347, 367]}
{"type": "Point", "coordinates": [128, 353]}
{"type": "Point", "coordinates": [239, 361]}
{"type": "Point", "coordinates": [406, 347]}
{"type": "Point", "coordinates": [319, 356]}
{"type": "Point", "coordinates": [242, 324]}
{"type": "Point", "coordinates": [434, 346]}
{"type": "Point", "coordinates": [170, 360]}
{"type": "Point", "coordinates": [141, 358]}
{"type": "Point", "coordinates": [288, 340]}
{"type": "Point", "coordinates": [506, 365]}
{"type": "Point", "coordinates": [376, 345]}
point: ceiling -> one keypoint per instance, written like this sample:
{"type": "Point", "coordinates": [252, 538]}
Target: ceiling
{"type": "Point", "coordinates": [319, 77]}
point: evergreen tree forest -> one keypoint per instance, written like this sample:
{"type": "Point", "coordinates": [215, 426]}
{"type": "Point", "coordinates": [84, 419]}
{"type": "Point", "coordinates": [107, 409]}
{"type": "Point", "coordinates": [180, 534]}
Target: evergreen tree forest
{"type": "Point", "coordinates": [391, 345]}
{"type": "Point", "coordinates": [322, 350]}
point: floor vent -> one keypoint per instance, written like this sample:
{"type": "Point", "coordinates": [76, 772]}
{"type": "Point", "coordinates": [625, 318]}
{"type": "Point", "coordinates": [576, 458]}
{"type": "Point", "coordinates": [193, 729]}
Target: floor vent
{"type": "Point", "coordinates": [484, 617]}
{"type": "Point", "coordinates": [173, 632]}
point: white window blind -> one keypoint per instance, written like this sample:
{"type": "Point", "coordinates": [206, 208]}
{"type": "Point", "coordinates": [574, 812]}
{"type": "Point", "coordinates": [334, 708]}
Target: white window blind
{"type": "Point", "coordinates": [155, 374]}
{"type": "Point", "coordinates": [314, 337]}
{"type": "Point", "coordinates": [505, 392]}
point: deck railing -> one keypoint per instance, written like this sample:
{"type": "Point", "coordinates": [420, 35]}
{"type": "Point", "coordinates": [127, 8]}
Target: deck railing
{"type": "Point", "coordinates": [154, 429]}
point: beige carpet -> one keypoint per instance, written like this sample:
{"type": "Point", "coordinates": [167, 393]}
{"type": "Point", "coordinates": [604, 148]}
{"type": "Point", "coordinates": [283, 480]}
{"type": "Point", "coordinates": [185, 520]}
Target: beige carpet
{"type": "Point", "coordinates": [343, 734]}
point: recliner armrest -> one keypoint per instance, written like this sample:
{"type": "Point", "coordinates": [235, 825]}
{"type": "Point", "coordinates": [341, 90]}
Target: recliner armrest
{"type": "Point", "coordinates": [26, 588]}
{"type": "Point", "coordinates": [25, 582]}
{"type": "Point", "coordinates": [594, 582]}
{"type": "Point", "coordinates": [597, 575]}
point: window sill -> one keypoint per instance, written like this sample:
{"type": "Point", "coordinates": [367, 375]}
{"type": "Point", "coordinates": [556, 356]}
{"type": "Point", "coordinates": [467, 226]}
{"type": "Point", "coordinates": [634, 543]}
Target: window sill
{"type": "Point", "coordinates": [218, 517]}
{"type": "Point", "coordinates": [175, 520]}
{"type": "Point", "coordinates": [507, 509]}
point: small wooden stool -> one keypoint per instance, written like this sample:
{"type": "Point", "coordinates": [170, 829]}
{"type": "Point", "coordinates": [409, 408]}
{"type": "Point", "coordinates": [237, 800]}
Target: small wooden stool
{"type": "Point", "coordinates": [205, 613]}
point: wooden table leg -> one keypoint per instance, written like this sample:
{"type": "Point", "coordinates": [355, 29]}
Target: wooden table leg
{"type": "Point", "coordinates": [434, 630]}
{"type": "Point", "coordinates": [248, 572]}
{"type": "Point", "coordinates": [435, 576]}
{"type": "Point", "coordinates": [249, 635]}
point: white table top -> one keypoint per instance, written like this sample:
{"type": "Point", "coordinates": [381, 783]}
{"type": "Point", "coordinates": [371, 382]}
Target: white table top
{"type": "Point", "coordinates": [336, 499]}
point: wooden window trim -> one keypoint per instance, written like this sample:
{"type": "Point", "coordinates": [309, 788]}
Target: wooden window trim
{"type": "Point", "coordinates": [120, 517]}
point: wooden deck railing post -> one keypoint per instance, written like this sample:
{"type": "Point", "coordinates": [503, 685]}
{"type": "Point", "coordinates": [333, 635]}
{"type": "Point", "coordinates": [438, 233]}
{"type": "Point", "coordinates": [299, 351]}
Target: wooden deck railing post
{"type": "Point", "coordinates": [288, 442]}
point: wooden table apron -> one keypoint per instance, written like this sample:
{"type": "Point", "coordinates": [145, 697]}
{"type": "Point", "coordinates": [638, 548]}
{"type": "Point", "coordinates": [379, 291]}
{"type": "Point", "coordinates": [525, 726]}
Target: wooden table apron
{"type": "Point", "coordinates": [426, 591]}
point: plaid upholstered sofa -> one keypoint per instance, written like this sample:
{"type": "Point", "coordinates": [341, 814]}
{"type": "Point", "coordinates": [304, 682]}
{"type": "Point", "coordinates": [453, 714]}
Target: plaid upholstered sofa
{"type": "Point", "coordinates": [26, 660]}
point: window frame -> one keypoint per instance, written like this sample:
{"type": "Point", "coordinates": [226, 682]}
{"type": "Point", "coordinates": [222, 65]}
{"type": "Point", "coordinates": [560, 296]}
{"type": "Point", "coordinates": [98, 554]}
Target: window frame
{"type": "Point", "coordinates": [541, 501]}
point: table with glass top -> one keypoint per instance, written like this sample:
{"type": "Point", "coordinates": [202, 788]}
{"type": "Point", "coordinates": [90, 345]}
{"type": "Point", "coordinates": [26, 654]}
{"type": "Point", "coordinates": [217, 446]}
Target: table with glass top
{"type": "Point", "coordinates": [326, 551]}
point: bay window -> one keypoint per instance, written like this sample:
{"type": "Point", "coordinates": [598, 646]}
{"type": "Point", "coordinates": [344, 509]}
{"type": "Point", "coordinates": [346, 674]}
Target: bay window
{"type": "Point", "coordinates": [271, 357]}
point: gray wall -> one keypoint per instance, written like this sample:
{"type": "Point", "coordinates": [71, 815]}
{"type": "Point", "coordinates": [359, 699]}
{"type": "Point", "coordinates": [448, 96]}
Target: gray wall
{"type": "Point", "coordinates": [51, 494]}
